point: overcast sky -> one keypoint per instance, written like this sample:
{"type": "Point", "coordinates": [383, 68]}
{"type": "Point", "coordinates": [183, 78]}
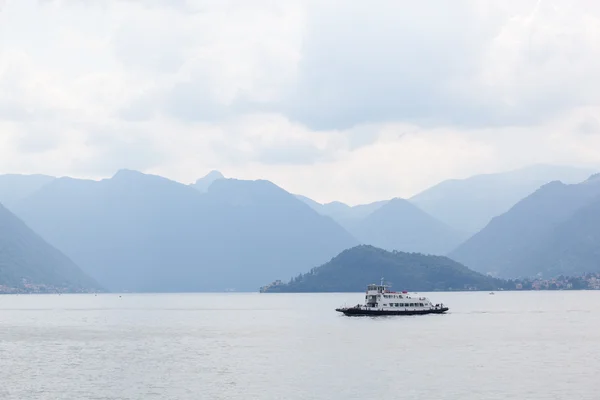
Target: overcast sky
{"type": "Point", "coordinates": [346, 100]}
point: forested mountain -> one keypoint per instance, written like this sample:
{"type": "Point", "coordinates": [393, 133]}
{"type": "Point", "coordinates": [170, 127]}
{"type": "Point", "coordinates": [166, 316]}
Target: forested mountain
{"type": "Point", "coordinates": [354, 268]}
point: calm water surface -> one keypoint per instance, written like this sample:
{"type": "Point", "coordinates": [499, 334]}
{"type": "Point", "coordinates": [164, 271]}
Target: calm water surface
{"type": "Point", "coordinates": [543, 345]}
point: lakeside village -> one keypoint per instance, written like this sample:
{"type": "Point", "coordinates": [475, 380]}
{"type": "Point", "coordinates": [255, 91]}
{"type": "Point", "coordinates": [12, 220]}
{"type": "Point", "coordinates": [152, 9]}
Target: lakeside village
{"type": "Point", "coordinates": [589, 281]}
{"type": "Point", "coordinates": [27, 287]}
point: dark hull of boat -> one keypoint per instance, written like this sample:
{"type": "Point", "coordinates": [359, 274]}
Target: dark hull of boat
{"type": "Point", "coordinates": [361, 312]}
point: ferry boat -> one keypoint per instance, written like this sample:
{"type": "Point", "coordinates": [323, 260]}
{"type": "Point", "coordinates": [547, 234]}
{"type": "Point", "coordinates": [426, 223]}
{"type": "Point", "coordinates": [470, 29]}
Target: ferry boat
{"type": "Point", "coordinates": [379, 300]}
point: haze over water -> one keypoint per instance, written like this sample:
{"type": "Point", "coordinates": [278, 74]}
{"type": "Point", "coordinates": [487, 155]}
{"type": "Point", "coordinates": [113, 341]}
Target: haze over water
{"type": "Point", "coordinates": [517, 345]}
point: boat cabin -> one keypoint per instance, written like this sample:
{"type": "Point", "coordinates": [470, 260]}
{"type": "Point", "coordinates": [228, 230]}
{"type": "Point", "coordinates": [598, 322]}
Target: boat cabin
{"type": "Point", "coordinates": [379, 296]}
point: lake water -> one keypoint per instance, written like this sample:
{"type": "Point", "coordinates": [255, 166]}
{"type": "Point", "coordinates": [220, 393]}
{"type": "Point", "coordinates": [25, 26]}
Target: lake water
{"type": "Point", "coordinates": [514, 345]}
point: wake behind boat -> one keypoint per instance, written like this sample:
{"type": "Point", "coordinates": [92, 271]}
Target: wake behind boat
{"type": "Point", "coordinates": [381, 301]}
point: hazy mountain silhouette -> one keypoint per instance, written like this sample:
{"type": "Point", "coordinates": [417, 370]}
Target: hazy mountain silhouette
{"type": "Point", "coordinates": [341, 212]}
{"type": "Point", "coordinates": [574, 245]}
{"type": "Point", "coordinates": [392, 225]}
{"type": "Point", "coordinates": [400, 225]}
{"type": "Point", "coordinates": [541, 232]}
{"type": "Point", "coordinates": [354, 268]}
{"type": "Point", "coordinates": [25, 255]}
{"type": "Point", "coordinates": [146, 233]}
{"type": "Point", "coordinates": [14, 187]}
{"type": "Point", "coordinates": [202, 184]}
{"type": "Point", "coordinates": [469, 204]}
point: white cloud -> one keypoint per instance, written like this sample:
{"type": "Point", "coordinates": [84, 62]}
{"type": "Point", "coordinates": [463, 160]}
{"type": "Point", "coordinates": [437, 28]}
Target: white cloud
{"type": "Point", "coordinates": [544, 61]}
{"type": "Point", "coordinates": [333, 99]}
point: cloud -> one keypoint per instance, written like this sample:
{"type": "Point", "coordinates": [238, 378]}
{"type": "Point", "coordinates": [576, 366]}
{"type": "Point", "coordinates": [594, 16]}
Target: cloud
{"type": "Point", "coordinates": [337, 100]}
{"type": "Point", "coordinates": [367, 63]}
{"type": "Point", "coordinates": [543, 62]}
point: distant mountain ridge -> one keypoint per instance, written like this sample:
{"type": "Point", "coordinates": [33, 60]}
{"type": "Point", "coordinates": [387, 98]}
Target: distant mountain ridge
{"type": "Point", "coordinates": [342, 212]}
{"type": "Point", "coordinates": [25, 258]}
{"type": "Point", "coordinates": [353, 269]}
{"type": "Point", "coordinates": [394, 224]}
{"type": "Point", "coordinates": [15, 187]}
{"type": "Point", "coordinates": [446, 214]}
{"type": "Point", "coordinates": [204, 183]}
{"type": "Point", "coordinates": [141, 232]}
{"type": "Point", "coordinates": [400, 225]}
{"type": "Point", "coordinates": [542, 233]}
{"type": "Point", "coordinates": [469, 204]}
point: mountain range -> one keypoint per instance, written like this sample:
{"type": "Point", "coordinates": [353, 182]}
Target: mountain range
{"type": "Point", "coordinates": [555, 230]}
{"type": "Point", "coordinates": [468, 205]}
{"type": "Point", "coordinates": [394, 224]}
{"type": "Point", "coordinates": [400, 225]}
{"type": "Point", "coordinates": [341, 212]}
{"type": "Point", "coordinates": [140, 232]}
